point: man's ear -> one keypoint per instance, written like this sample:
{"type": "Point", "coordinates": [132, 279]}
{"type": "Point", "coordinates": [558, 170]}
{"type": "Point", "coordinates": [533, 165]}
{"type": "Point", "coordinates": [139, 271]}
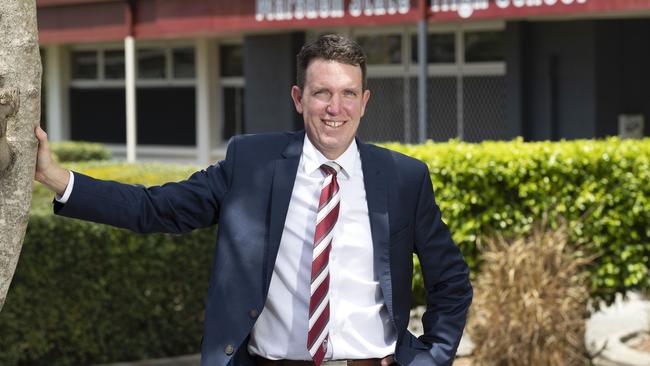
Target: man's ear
{"type": "Point", "coordinates": [364, 100]}
{"type": "Point", "coordinates": [296, 95]}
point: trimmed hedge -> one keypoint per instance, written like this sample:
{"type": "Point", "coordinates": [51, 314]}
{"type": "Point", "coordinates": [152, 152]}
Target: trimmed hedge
{"type": "Point", "coordinates": [602, 188]}
{"type": "Point", "coordinates": [69, 151]}
{"type": "Point", "coordinates": [86, 293]}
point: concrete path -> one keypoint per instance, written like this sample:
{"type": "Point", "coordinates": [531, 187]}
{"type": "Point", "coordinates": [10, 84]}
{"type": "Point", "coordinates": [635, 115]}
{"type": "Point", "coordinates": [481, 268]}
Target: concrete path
{"type": "Point", "coordinates": [606, 329]}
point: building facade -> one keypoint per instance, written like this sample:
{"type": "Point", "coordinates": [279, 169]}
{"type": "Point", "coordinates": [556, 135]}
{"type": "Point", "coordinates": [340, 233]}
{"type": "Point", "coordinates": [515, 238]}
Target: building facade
{"type": "Point", "coordinates": [161, 79]}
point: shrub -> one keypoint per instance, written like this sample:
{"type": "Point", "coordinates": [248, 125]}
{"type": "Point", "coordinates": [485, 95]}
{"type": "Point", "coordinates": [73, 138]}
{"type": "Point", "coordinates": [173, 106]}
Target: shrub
{"type": "Point", "coordinates": [79, 151]}
{"type": "Point", "coordinates": [85, 293]}
{"type": "Point", "coordinates": [601, 187]}
{"type": "Point", "coordinates": [530, 302]}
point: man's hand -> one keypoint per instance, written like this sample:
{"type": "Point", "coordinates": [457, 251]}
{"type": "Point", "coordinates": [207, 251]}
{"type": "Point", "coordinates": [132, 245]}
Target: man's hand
{"type": "Point", "coordinates": [387, 361]}
{"type": "Point", "coordinates": [48, 172]}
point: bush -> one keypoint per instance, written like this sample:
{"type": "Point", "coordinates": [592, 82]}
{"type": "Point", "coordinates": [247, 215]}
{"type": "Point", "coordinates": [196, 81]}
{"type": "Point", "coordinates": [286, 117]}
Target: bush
{"type": "Point", "coordinates": [79, 151]}
{"type": "Point", "coordinates": [601, 187]}
{"type": "Point", "coordinates": [85, 293]}
{"type": "Point", "coordinates": [530, 302]}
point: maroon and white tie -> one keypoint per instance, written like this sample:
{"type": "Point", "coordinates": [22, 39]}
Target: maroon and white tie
{"type": "Point", "coordinates": [319, 304]}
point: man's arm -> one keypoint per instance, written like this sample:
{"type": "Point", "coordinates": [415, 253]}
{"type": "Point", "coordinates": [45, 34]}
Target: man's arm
{"type": "Point", "coordinates": [176, 207]}
{"type": "Point", "coordinates": [446, 279]}
{"type": "Point", "coordinates": [48, 172]}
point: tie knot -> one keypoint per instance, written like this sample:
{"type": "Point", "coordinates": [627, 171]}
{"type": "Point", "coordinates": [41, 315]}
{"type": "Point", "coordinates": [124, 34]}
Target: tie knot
{"type": "Point", "coordinates": [330, 168]}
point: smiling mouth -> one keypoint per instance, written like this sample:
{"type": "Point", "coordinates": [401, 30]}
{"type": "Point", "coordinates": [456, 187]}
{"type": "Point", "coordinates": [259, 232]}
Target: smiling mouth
{"type": "Point", "coordinates": [334, 124]}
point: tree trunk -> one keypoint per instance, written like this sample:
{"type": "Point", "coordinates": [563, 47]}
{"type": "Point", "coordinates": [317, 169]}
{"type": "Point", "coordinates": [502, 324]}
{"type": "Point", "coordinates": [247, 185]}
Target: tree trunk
{"type": "Point", "coordinates": [20, 109]}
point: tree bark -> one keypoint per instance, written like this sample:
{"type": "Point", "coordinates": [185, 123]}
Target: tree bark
{"type": "Point", "coordinates": [20, 108]}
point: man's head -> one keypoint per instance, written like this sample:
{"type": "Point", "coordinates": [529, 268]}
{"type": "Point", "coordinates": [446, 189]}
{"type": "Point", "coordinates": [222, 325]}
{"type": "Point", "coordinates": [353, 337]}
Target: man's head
{"type": "Point", "coordinates": [331, 93]}
{"type": "Point", "coordinates": [330, 47]}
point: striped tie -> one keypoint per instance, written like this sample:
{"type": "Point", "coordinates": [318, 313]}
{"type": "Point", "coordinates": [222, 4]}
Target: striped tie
{"type": "Point", "coordinates": [319, 305]}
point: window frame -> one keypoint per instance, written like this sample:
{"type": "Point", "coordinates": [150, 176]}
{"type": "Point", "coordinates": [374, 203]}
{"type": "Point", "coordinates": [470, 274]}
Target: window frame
{"type": "Point", "coordinates": [227, 81]}
{"type": "Point", "coordinates": [461, 67]}
{"type": "Point", "coordinates": [101, 81]}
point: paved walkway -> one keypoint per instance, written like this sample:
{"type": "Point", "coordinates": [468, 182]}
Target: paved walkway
{"type": "Point", "coordinates": [603, 334]}
{"type": "Point", "coordinates": [606, 328]}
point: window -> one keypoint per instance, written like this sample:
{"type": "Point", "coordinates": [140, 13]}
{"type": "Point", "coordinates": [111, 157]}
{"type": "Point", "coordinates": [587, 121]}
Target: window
{"type": "Point", "coordinates": [383, 49]}
{"type": "Point", "coordinates": [231, 59]}
{"type": "Point", "coordinates": [155, 64]}
{"type": "Point", "coordinates": [165, 72]}
{"type": "Point", "coordinates": [84, 65]}
{"type": "Point", "coordinates": [232, 90]}
{"type": "Point", "coordinates": [441, 48]}
{"type": "Point", "coordinates": [183, 62]}
{"type": "Point", "coordinates": [464, 81]}
{"type": "Point", "coordinates": [151, 63]}
{"type": "Point", "coordinates": [114, 64]}
{"type": "Point", "coordinates": [484, 46]}
{"type": "Point", "coordinates": [165, 63]}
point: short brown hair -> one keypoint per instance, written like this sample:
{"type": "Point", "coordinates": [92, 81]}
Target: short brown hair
{"type": "Point", "coordinates": [330, 47]}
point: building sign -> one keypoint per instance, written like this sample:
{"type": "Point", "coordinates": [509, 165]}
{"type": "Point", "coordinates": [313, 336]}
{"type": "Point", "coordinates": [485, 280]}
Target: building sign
{"type": "Point", "coordinates": [69, 21]}
{"type": "Point", "coordinates": [467, 8]}
{"type": "Point", "coordinates": [274, 10]}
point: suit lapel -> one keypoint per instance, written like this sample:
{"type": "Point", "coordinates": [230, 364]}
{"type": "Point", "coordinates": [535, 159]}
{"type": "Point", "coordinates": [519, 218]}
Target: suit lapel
{"type": "Point", "coordinates": [375, 166]}
{"type": "Point", "coordinates": [284, 176]}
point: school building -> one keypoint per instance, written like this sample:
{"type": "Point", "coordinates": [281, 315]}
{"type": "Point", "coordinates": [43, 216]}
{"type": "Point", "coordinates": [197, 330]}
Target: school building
{"type": "Point", "coordinates": [175, 79]}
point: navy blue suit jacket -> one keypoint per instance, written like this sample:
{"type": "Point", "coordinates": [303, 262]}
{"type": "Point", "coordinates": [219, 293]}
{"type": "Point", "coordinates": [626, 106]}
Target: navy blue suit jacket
{"type": "Point", "coordinates": [248, 194]}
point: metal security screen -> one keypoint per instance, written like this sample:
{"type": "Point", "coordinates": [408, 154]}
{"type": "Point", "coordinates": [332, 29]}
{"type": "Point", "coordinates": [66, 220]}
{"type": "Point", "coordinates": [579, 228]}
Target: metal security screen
{"type": "Point", "coordinates": [466, 93]}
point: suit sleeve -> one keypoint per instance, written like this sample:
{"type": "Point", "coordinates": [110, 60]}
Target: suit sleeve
{"type": "Point", "coordinates": [446, 278]}
{"type": "Point", "coordinates": [177, 207]}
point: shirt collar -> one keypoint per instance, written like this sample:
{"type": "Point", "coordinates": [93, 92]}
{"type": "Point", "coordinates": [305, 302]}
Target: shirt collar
{"type": "Point", "coordinates": [313, 158]}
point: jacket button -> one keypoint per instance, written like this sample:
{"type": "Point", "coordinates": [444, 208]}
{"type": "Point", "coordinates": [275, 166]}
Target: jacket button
{"type": "Point", "coordinates": [253, 313]}
{"type": "Point", "coordinates": [229, 349]}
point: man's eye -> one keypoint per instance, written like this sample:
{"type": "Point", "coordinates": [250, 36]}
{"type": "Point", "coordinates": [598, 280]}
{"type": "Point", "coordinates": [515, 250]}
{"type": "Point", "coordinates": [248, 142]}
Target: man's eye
{"type": "Point", "coordinates": [350, 93]}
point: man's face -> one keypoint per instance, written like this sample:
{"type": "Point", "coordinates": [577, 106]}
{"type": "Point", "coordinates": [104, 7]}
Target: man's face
{"type": "Point", "coordinates": [332, 104]}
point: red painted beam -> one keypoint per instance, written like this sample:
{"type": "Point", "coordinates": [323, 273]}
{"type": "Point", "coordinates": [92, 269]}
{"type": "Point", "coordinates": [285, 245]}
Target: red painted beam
{"type": "Point", "coordinates": [47, 3]}
{"type": "Point", "coordinates": [93, 22]}
{"type": "Point", "coordinates": [454, 10]}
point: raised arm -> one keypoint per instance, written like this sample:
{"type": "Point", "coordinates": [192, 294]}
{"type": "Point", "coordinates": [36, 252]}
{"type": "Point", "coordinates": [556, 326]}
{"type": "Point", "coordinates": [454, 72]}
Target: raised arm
{"type": "Point", "coordinates": [175, 207]}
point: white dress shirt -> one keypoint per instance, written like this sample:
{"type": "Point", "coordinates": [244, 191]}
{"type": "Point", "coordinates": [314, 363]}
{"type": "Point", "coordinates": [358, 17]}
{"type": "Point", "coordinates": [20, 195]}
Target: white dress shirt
{"type": "Point", "coordinates": [68, 190]}
{"type": "Point", "coordinates": [359, 325]}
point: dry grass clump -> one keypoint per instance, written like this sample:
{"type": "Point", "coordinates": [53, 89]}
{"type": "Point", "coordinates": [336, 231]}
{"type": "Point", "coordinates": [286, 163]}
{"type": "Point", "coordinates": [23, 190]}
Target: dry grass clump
{"type": "Point", "coordinates": [530, 302]}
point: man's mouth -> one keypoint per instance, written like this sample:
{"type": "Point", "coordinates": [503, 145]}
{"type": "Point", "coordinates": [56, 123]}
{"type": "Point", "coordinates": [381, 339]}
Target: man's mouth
{"type": "Point", "coordinates": [334, 124]}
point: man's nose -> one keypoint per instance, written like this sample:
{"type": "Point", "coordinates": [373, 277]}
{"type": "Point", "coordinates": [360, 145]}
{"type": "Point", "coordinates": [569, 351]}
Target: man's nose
{"type": "Point", "coordinates": [334, 106]}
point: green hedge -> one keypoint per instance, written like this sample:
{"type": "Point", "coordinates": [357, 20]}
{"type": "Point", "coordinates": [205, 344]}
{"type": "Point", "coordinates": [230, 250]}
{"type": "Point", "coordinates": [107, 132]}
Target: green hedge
{"type": "Point", "coordinates": [602, 188]}
{"type": "Point", "coordinates": [69, 151]}
{"type": "Point", "coordinates": [86, 293]}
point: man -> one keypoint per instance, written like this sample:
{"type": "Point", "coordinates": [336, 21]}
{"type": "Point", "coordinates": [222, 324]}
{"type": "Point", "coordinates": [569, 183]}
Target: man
{"type": "Point", "coordinates": [316, 233]}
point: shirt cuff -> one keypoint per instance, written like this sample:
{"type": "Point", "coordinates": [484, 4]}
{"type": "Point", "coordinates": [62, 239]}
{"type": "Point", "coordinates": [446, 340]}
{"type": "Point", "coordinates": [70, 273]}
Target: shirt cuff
{"type": "Point", "coordinates": [68, 190]}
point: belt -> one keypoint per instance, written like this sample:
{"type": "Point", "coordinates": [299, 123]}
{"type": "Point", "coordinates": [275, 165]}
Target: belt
{"type": "Point", "coordinates": [260, 361]}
